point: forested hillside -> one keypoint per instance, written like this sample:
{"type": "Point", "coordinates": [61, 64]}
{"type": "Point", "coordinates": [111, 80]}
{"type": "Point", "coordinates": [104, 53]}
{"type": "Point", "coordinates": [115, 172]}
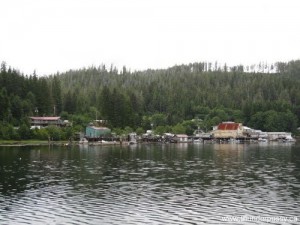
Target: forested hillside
{"type": "Point", "coordinates": [22, 96]}
{"type": "Point", "coordinates": [165, 100]}
{"type": "Point", "coordinates": [267, 101]}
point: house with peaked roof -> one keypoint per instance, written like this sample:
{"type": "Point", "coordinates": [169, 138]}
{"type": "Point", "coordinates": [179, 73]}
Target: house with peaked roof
{"type": "Point", "coordinates": [228, 130]}
{"type": "Point", "coordinates": [44, 121]}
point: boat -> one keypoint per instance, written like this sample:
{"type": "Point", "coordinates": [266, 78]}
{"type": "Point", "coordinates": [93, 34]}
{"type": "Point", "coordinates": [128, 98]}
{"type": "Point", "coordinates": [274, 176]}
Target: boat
{"type": "Point", "coordinates": [262, 139]}
{"type": "Point", "coordinates": [132, 142]}
{"type": "Point", "coordinates": [286, 139]}
{"type": "Point", "coordinates": [83, 141]}
{"type": "Point", "coordinates": [199, 140]}
{"type": "Point", "coordinates": [132, 138]}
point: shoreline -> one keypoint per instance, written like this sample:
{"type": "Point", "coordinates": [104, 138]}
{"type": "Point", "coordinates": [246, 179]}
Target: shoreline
{"type": "Point", "coordinates": [23, 143]}
{"type": "Point", "coordinates": [5, 143]}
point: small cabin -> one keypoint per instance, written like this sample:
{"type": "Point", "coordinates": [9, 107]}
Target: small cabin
{"type": "Point", "coordinates": [96, 132]}
{"type": "Point", "coordinates": [181, 138]}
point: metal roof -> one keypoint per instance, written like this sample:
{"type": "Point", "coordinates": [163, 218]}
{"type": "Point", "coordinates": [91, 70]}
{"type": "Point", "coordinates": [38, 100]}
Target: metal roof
{"type": "Point", "coordinates": [228, 126]}
{"type": "Point", "coordinates": [52, 118]}
{"type": "Point", "coordinates": [99, 128]}
{"type": "Point", "coordinates": [181, 135]}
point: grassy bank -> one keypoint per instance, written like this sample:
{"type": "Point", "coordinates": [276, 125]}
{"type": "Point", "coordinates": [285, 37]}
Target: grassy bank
{"type": "Point", "coordinates": [29, 142]}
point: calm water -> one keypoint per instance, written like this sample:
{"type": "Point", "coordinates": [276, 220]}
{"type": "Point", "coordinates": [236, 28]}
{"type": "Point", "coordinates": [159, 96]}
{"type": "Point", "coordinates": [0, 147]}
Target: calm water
{"type": "Point", "coordinates": [149, 184]}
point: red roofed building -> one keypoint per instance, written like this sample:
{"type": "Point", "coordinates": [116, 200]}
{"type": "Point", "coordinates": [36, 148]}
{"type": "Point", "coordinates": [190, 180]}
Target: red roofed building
{"type": "Point", "coordinates": [228, 130]}
{"type": "Point", "coordinates": [46, 121]}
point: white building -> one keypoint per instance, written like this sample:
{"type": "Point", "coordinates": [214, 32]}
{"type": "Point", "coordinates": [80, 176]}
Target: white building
{"type": "Point", "coordinates": [181, 138]}
{"type": "Point", "coordinates": [275, 136]}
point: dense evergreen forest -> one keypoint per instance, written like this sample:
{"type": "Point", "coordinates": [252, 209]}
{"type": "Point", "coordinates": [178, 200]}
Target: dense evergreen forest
{"type": "Point", "coordinates": [177, 99]}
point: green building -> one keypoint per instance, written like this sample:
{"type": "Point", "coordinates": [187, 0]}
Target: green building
{"type": "Point", "coordinates": [95, 132]}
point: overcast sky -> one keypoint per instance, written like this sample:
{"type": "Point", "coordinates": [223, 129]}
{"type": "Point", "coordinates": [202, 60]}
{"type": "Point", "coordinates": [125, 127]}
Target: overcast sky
{"type": "Point", "coordinates": [58, 35]}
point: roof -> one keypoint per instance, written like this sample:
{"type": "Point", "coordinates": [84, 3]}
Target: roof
{"type": "Point", "coordinates": [99, 128]}
{"type": "Point", "coordinates": [228, 126]}
{"type": "Point", "coordinates": [181, 135]}
{"type": "Point", "coordinates": [278, 133]}
{"type": "Point", "coordinates": [247, 128]}
{"type": "Point", "coordinates": [53, 118]}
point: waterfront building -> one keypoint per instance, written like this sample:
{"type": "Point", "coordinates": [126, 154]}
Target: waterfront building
{"type": "Point", "coordinates": [227, 130]}
{"type": "Point", "coordinates": [44, 121]}
{"type": "Point", "coordinates": [96, 132]}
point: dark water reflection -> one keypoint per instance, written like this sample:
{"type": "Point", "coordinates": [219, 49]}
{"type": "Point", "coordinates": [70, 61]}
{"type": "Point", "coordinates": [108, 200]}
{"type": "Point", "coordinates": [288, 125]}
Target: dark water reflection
{"type": "Point", "coordinates": [156, 184]}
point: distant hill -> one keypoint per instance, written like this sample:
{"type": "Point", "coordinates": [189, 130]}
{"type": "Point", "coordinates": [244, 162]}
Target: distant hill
{"type": "Point", "coordinates": [200, 90]}
{"type": "Point", "coordinates": [263, 96]}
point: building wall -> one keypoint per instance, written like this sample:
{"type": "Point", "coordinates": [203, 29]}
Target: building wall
{"type": "Point", "coordinates": [181, 138]}
{"type": "Point", "coordinates": [219, 133]}
{"type": "Point", "coordinates": [225, 133]}
{"type": "Point", "coordinates": [46, 121]}
{"type": "Point", "coordinates": [96, 132]}
{"type": "Point", "coordinates": [278, 135]}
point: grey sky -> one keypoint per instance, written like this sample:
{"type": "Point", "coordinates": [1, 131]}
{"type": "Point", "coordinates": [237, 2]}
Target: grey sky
{"type": "Point", "coordinates": [57, 35]}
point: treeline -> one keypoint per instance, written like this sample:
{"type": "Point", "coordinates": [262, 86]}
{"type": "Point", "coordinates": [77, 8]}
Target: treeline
{"type": "Point", "coordinates": [23, 96]}
{"type": "Point", "coordinates": [267, 101]}
{"type": "Point", "coordinates": [163, 100]}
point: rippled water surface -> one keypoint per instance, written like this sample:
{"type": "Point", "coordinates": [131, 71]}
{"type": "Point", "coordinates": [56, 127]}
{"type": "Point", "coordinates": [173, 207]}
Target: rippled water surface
{"type": "Point", "coordinates": [148, 184]}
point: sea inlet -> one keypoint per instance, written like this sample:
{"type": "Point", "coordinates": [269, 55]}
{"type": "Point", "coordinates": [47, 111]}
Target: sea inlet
{"type": "Point", "coordinates": [151, 184]}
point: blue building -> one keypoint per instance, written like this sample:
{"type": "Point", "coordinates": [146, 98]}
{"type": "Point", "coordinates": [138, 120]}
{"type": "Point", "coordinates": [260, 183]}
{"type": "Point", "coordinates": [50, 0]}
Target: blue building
{"type": "Point", "coordinates": [96, 132]}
